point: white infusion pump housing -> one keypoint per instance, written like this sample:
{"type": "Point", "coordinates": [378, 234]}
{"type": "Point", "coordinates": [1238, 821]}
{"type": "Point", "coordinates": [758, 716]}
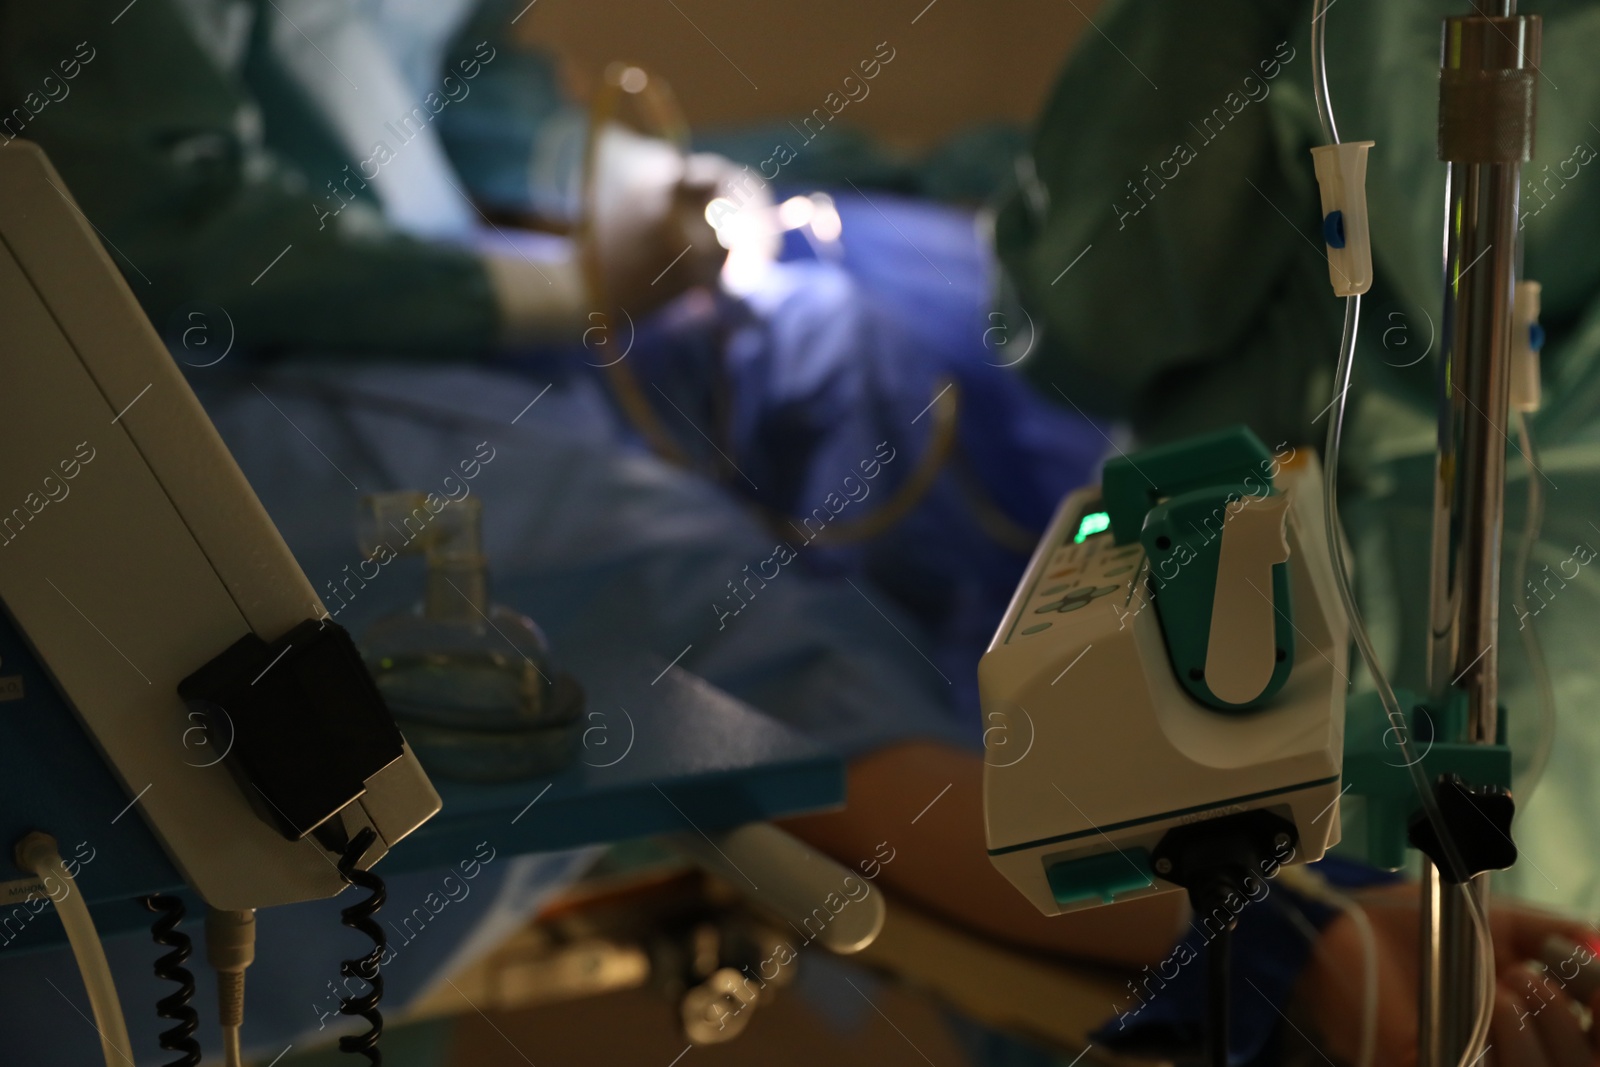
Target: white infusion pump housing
{"type": "Point", "coordinates": [1094, 750]}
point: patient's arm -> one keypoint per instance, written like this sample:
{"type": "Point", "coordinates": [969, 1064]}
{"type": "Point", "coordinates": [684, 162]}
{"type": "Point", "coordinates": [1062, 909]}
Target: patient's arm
{"type": "Point", "coordinates": [1535, 1023]}
{"type": "Point", "coordinates": [941, 863]}
{"type": "Point", "coordinates": [940, 860]}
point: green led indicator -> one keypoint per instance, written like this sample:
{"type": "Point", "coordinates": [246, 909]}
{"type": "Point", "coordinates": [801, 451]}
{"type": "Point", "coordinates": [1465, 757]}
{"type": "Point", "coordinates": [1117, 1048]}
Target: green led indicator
{"type": "Point", "coordinates": [1092, 523]}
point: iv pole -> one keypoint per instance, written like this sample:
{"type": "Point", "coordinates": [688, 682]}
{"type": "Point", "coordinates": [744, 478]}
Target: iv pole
{"type": "Point", "coordinates": [1486, 124]}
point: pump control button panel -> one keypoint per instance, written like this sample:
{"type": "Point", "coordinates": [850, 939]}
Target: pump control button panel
{"type": "Point", "coordinates": [1077, 573]}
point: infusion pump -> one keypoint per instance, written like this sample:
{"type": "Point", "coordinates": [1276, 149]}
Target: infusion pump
{"type": "Point", "coordinates": [1175, 655]}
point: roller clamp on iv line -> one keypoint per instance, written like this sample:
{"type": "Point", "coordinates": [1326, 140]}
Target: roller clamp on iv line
{"type": "Point", "coordinates": [1342, 181]}
{"type": "Point", "coordinates": [1341, 171]}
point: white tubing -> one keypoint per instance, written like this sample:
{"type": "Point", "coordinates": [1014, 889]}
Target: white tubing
{"type": "Point", "coordinates": [39, 853]}
{"type": "Point", "coordinates": [1478, 1042]}
{"type": "Point", "coordinates": [1538, 667]}
{"type": "Point", "coordinates": [791, 881]}
{"type": "Point", "coordinates": [1480, 921]}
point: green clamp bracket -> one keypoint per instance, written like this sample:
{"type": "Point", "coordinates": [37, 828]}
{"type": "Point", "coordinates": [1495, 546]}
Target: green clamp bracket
{"type": "Point", "coordinates": [1376, 770]}
{"type": "Point", "coordinates": [1175, 499]}
{"type": "Point", "coordinates": [1132, 485]}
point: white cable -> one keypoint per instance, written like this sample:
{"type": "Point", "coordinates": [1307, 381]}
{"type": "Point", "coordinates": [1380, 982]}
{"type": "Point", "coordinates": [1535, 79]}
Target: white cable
{"type": "Point", "coordinates": [1532, 646]}
{"type": "Point", "coordinates": [39, 854]}
{"type": "Point", "coordinates": [230, 948]}
{"type": "Point", "coordinates": [1358, 631]}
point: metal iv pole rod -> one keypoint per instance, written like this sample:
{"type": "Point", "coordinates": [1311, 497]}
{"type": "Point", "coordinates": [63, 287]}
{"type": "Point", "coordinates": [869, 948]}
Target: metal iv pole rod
{"type": "Point", "coordinates": [1486, 123]}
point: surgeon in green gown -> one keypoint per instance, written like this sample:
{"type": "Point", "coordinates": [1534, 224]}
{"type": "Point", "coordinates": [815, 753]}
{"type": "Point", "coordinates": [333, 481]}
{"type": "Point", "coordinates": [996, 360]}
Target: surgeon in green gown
{"type": "Point", "coordinates": [346, 177]}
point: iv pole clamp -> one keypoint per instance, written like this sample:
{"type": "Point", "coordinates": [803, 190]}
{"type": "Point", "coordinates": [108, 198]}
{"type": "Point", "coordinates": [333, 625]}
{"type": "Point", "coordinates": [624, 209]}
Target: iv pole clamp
{"type": "Point", "coordinates": [1486, 125]}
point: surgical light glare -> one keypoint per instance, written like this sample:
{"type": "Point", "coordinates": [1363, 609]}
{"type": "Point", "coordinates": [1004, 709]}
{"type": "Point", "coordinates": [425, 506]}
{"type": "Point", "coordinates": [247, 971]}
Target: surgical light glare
{"type": "Point", "coordinates": [744, 269]}
{"type": "Point", "coordinates": [795, 212]}
{"type": "Point", "coordinates": [749, 234]}
{"type": "Point", "coordinates": [825, 222]}
{"type": "Point", "coordinates": [721, 214]}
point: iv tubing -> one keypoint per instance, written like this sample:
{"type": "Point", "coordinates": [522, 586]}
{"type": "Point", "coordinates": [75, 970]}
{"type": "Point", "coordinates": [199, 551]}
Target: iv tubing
{"type": "Point", "coordinates": [1532, 646]}
{"type": "Point", "coordinates": [39, 853]}
{"type": "Point", "coordinates": [1358, 631]}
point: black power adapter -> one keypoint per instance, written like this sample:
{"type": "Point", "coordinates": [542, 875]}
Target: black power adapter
{"type": "Point", "coordinates": [304, 722]}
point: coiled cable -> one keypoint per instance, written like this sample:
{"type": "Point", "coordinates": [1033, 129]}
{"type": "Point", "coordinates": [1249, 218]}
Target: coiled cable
{"type": "Point", "coordinates": [359, 917]}
{"type": "Point", "coordinates": [170, 968]}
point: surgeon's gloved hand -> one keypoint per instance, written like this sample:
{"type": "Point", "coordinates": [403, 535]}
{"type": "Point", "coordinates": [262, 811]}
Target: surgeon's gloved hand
{"type": "Point", "coordinates": [650, 235]}
{"type": "Point", "coordinates": [1535, 1023]}
{"type": "Point", "coordinates": [649, 224]}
